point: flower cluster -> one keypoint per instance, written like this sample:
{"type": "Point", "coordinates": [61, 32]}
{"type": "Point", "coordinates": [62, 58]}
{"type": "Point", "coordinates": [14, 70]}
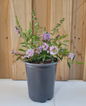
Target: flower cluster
{"type": "Point", "coordinates": [46, 36]}
{"type": "Point", "coordinates": [71, 56]}
{"type": "Point", "coordinates": [29, 53]}
{"type": "Point", "coordinates": [53, 50]}
{"type": "Point", "coordinates": [17, 30]}
{"type": "Point", "coordinates": [45, 46]}
{"type": "Point", "coordinates": [39, 50]}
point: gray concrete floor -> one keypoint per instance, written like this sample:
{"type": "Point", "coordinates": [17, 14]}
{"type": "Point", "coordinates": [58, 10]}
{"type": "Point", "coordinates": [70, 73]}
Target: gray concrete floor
{"type": "Point", "coordinates": [67, 93]}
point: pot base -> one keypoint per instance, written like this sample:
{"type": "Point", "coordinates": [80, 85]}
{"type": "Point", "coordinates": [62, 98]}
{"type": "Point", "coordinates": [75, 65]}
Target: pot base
{"type": "Point", "coordinates": [41, 101]}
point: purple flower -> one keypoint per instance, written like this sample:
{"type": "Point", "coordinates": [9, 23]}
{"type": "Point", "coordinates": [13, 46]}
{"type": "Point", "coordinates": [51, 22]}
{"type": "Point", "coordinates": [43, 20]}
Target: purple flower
{"type": "Point", "coordinates": [15, 52]}
{"type": "Point", "coordinates": [46, 36]}
{"type": "Point", "coordinates": [30, 53]}
{"type": "Point", "coordinates": [45, 46]}
{"type": "Point", "coordinates": [71, 56]}
{"type": "Point", "coordinates": [47, 51]}
{"type": "Point", "coordinates": [12, 52]}
{"type": "Point", "coordinates": [19, 35]}
{"type": "Point", "coordinates": [17, 30]}
{"type": "Point", "coordinates": [53, 50]}
{"type": "Point", "coordinates": [39, 50]}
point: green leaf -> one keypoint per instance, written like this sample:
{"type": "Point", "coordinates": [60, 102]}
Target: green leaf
{"type": "Point", "coordinates": [40, 57]}
{"type": "Point", "coordinates": [60, 57]}
{"type": "Point", "coordinates": [59, 44]}
{"type": "Point", "coordinates": [25, 43]}
{"type": "Point", "coordinates": [43, 59]}
{"type": "Point", "coordinates": [78, 62]}
{"type": "Point", "coordinates": [41, 43]}
{"type": "Point", "coordinates": [66, 41]}
{"type": "Point", "coordinates": [44, 29]}
{"type": "Point", "coordinates": [22, 46]}
{"type": "Point", "coordinates": [39, 31]}
{"type": "Point", "coordinates": [74, 57]}
{"type": "Point", "coordinates": [51, 33]}
{"type": "Point", "coordinates": [18, 58]}
{"type": "Point", "coordinates": [72, 62]}
{"type": "Point", "coordinates": [64, 44]}
{"type": "Point", "coordinates": [22, 43]}
{"type": "Point", "coordinates": [62, 37]}
{"type": "Point", "coordinates": [22, 50]}
{"type": "Point", "coordinates": [35, 42]}
{"type": "Point", "coordinates": [49, 43]}
{"type": "Point", "coordinates": [68, 64]}
{"type": "Point", "coordinates": [29, 31]}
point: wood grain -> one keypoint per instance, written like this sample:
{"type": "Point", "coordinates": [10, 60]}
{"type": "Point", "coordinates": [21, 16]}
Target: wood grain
{"type": "Point", "coordinates": [62, 9]}
{"type": "Point", "coordinates": [84, 72]}
{"type": "Point", "coordinates": [21, 8]}
{"type": "Point", "coordinates": [5, 41]}
{"type": "Point", "coordinates": [77, 39]}
{"type": "Point", "coordinates": [42, 10]}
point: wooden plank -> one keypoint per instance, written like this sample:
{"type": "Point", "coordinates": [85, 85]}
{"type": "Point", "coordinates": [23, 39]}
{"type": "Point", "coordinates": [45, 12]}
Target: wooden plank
{"type": "Point", "coordinates": [21, 8]}
{"type": "Point", "coordinates": [5, 41]}
{"type": "Point", "coordinates": [77, 42]}
{"type": "Point", "coordinates": [77, 4]}
{"type": "Point", "coordinates": [60, 9]}
{"type": "Point", "coordinates": [84, 72]}
{"type": "Point", "coordinates": [42, 10]}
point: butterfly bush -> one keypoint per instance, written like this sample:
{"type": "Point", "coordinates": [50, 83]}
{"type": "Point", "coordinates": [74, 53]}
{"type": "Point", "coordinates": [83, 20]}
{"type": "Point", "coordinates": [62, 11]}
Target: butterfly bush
{"type": "Point", "coordinates": [42, 46]}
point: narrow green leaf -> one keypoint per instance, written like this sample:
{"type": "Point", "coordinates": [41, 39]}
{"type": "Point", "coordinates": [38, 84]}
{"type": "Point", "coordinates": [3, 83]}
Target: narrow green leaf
{"type": "Point", "coordinates": [43, 59]}
{"type": "Point", "coordinates": [66, 41]}
{"type": "Point", "coordinates": [18, 58]}
{"type": "Point", "coordinates": [44, 29]}
{"type": "Point", "coordinates": [68, 64]}
{"type": "Point", "coordinates": [25, 44]}
{"type": "Point", "coordinates": [78, 62]}
{"type": "Point", "coordinates": [62, 37]}
{"type": "Point", "coordinates": [29, 31]}
{"type": "Point", "coordinates": [22, 46]}
{"type": "Point", "coordinates": [21, 50]}
{"type": "Point", "coordinates": [64, 44]}
{"type": "Point", "coordinates": [22, 43]}
{"type": "Point", "coordinates": [74, 57]}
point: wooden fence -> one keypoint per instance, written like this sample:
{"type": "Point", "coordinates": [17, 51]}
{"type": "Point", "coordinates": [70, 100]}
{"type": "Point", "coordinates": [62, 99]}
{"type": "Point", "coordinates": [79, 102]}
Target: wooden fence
{"type": "Point", "coordinates": [48, 12]}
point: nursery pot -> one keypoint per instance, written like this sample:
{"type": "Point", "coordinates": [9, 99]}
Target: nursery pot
{"type": "Point", "coordinates": [40, 80]}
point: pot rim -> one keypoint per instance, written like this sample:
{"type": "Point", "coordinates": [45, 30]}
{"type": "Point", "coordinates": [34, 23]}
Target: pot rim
{"type": "Point", "coordinates": [33, 64]}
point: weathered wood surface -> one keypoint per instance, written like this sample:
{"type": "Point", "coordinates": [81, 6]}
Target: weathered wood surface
{"type": "Point", "coordinates": [84, 72]}
{"type": "Point", "coordinates": [21, 8]}
{"type": "Point", "coordinates": [42, 10]}
{"type": "Point", "coordinates": [62, 9]}
{"type": "Point", "coordinates": [77, 45]}
{"type": "Point", "coordinates": [5, 40]}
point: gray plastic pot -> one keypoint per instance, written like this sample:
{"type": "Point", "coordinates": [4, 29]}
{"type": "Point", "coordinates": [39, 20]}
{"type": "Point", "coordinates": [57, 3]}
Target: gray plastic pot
{"type": "Point", "coordinates": [40, 80]}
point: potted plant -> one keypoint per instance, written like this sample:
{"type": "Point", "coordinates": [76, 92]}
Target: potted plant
{"type": "Point", "coordinates": [41, 53]}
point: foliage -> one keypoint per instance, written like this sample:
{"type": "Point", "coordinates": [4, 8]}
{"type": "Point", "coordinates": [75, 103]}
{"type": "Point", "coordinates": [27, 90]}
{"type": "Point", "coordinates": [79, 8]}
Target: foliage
{"type": "Point", "coordinates": [36, 48]}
